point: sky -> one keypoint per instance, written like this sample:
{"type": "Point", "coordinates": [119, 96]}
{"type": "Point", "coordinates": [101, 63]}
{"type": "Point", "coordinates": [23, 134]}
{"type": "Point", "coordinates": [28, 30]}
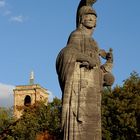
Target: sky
{"type": "Point", "coordinates": [32, 32]}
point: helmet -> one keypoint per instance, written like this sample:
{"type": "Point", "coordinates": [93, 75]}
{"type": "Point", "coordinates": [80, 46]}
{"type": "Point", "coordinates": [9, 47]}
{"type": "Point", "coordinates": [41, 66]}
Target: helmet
{"type": "Point", "coordinates": [108, 79]}
{"type": "Point", "coordinates": [86, 10]}
{"type": "Point", "coordinates": [83, 11]}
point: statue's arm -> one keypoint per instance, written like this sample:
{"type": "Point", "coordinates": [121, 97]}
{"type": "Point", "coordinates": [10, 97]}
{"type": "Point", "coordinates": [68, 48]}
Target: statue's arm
{"type": "Point", "coordinates": [85, 61]}
{"type": "Point", "coordinates": [102, 53]}
{"type": "Point", "coordinates": [107, 67]}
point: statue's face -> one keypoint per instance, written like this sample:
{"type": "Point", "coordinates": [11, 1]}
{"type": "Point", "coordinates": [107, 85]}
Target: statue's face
{"type": "Point", "coordinates": [89, 20]}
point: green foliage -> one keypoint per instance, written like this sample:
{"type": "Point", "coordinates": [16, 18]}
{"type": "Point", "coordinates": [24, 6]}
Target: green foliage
{"type": "Point", "coordinates": [120, 115]}
{"type": "Point", "coordinates": [54, 110]}
{"type": "Point", "coordinates": [121, 111]}
{"type": "Point", "coordinates": [5, 118]}
{"type": "Point", "coordinates": [36, 119]}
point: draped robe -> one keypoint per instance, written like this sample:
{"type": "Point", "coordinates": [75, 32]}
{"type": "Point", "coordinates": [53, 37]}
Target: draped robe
{"type": "Point", "coordinates": [81, 88]}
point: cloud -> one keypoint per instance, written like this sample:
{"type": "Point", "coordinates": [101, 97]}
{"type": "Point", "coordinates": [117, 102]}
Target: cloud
{"type": "Point", "coordinates": [2, 3]}
{"type": "Point", "coordinates": [6, 94]}
{"type": "Point", "coordinates": [18, 19]}
{"type": "Point", "coordinates": [5, 11]}
{"type": "Point", "coordinates": [51, 96]}
{"type": "Point", "coordinates": [5, 90]}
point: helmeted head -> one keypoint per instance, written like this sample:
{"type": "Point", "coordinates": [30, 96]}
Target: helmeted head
{"type": "Point", "coordinates": [84, 10]}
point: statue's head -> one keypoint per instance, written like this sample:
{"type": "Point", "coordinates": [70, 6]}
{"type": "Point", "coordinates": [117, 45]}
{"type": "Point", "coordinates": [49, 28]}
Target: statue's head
{"type": "Point", "coordinates": [83, 11]}
{"type": "Point", "coordinates": [85, 8]}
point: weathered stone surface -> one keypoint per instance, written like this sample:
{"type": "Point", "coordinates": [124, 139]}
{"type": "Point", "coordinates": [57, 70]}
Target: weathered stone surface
{"type": "Point", "coordinates": [28, 94]}
{"type": "Point", "coordinates": [81, 78]}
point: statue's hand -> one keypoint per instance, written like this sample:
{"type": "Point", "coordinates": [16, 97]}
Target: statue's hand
{"type": "Point", "coordinates": [103, 53]}
{"type": "Point", "coordinates": [89, 64]}
{"type": "Point", "coordinates": [86, 61]}
{"type": "Point", "coordinates": [85, 64]}
{"type": "Point", "coordinates": [109, 56]}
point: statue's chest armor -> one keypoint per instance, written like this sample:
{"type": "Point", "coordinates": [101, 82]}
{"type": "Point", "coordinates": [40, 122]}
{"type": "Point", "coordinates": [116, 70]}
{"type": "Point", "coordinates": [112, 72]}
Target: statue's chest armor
{"type": "Point", "coordinates": [92, 51]}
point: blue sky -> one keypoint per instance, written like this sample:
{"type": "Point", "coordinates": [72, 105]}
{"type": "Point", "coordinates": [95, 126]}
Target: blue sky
{"type": "Point", "coordinates": [34, 31]}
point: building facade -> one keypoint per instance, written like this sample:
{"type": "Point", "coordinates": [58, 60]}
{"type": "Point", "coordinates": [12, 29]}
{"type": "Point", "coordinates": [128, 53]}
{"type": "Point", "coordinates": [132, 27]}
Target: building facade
{"type": "Point", "coordinates": [26, 95]}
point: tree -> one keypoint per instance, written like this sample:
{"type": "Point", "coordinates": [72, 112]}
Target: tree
{"type": "Point", "coordinates": [120, 115]}
{"type": "Point", "coordinates": [121, 111]}
{"type": "Point", "coordinates": [5, 118]}
{"type": "Point", "coordinates": [35, 119]}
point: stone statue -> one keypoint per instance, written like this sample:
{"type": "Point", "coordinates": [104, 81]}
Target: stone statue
{"type": "Point", "coordinates": [81, 77]}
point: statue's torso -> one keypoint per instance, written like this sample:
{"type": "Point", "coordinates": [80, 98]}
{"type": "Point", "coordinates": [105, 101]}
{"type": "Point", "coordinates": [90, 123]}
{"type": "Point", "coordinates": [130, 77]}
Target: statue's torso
{"type": "Point", "coordinates": [84, 45]}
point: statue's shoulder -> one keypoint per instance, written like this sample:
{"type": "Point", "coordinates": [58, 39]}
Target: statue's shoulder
{"type": "Point", "coordinates": [76, 33]}
{"type": "Point", "coordinates": [75, 37]}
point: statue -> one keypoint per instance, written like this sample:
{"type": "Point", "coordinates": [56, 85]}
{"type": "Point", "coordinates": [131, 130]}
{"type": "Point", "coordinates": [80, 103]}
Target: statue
{"type": "Point", "coordinates": [81, 77]}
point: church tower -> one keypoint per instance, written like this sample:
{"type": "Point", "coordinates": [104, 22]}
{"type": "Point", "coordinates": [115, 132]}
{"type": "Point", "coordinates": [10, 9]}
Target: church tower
{"type": "Point", "coordinates": [26, 95]}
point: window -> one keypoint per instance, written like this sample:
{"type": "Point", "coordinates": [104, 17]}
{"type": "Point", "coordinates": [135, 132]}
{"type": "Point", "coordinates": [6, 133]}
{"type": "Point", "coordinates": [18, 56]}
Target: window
{"type": "Point", "coordinates": [27, 100]}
